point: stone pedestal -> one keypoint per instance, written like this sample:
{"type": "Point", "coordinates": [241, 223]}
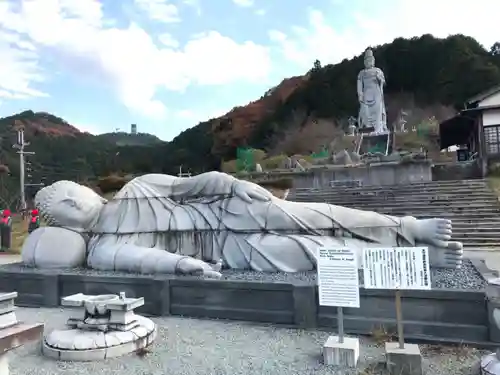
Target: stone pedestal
{"type": "Point", "coordinates": [13, 333]}
{"type": "Point", "coordinates": [100, 327]}
{"type": "Point", "coordinates": [405, 361]}
{"type": "Point", "coordinates": [490, 365]}
{"type": "Point", "coordinates": [4, 364]}
{"type": "Point", "coordinates": [345, 354]}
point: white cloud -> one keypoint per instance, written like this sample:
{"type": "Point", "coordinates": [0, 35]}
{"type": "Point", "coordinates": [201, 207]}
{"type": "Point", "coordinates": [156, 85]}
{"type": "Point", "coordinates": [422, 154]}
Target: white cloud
{"type": "Point", "coordinates": [168, 40]}
{"type": "Point", "coordinates": [391, 19]}
{"type": "Point", "coordinates": [260, 12]}
{"type": "Point", "coordinates": [158, 10]}
{"type": "Point", "coordinates": [195, 4]}
{"type": "Point", "coordinates": [128, 60]}
{"type": "Point", "coordinates": [244, 3]}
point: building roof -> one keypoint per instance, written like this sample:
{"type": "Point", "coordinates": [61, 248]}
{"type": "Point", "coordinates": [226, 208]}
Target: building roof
{"type": "Point", "coordinates": [480, 109]}
{"type": "Point", "coordinates": [485, 94]}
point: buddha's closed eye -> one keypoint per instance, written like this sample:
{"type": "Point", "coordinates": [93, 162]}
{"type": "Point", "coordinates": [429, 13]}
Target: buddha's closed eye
{"type": "Point", "coordinates": [70, 202]}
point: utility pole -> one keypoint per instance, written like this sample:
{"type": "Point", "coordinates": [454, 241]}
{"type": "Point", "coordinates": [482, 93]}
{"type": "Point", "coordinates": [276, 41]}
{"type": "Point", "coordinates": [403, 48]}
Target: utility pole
{"type": "Point", "coordinates": [20, 145]}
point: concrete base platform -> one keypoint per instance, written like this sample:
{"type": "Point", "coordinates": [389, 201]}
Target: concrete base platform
{"type": "Point", "coordinates": [345, 354]}
{"type": "Point", "coordinates": [403, 361]}
{"type": "Point", "coordinates": [80, 345]}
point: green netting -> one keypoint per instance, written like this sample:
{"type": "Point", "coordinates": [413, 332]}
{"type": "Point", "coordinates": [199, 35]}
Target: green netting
{"type": "Point", "coordinates": [378, 148]}
{"type": "Point", "coordinates": [425, 127]}
{"type": "Point", "coordinates": [245, 161]}
{"type": "Point", "coordinates": [320, 155]}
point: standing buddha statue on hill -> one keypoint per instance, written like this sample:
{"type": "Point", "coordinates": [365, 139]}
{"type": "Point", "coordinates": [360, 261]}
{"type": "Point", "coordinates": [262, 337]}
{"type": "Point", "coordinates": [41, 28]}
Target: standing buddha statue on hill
{"type": "Point", "coordinates": [370, 89]}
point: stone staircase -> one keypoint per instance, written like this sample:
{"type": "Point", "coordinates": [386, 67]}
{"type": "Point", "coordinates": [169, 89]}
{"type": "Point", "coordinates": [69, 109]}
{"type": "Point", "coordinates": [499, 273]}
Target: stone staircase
{"type": "Point", "coordinates": [471, 205]}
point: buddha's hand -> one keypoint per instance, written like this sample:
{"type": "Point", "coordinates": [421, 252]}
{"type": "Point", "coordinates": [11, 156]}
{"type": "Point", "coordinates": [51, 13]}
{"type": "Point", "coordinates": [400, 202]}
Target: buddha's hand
{"type": "Point", "coordinates": [248, 191]}
{"type": "Point", "coordinates": [196, 267]}
{"type": "Point", "coordinates": [216, 183]}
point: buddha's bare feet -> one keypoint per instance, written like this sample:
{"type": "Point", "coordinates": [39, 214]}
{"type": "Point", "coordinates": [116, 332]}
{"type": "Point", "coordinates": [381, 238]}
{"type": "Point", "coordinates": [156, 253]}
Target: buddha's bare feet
{"type": "Point", "coordinates": [434, 232]}
{"type": "Point", "coordinates": [191, 266]}
{"type": "Point", "coordinates": [450, 256]}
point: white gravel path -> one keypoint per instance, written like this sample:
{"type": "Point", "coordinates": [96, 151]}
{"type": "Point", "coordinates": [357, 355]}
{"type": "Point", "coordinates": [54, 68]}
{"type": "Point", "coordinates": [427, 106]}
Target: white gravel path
{"type": "Point", "coordinates": [203, 347]}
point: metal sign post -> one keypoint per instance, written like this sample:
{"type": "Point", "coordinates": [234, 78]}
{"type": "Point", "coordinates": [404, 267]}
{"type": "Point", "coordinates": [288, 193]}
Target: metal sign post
{"type": "Point", "coordinates": [397, 268]}
{"type": "Point", "coordinates": [338, 284]}
{"type": "Point", "coordinates": [340, 324]}
{"type": "Point", "coordinates": [399, 320]}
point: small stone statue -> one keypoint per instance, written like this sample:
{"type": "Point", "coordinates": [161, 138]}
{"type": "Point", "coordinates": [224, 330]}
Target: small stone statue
{"type": "Point", "coordinates": [351, 128]}
{"type": "Point", "coordinates": [164, 224]}
{"type": "Point", "coordinates": [402, 121]}
{"type": "Point", "coordinates": [370, 87]}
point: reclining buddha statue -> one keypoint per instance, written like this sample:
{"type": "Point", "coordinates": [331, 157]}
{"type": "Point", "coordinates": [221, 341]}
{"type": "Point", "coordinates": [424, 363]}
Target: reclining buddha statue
{"type": "Point", "coordinates": [196, 225]}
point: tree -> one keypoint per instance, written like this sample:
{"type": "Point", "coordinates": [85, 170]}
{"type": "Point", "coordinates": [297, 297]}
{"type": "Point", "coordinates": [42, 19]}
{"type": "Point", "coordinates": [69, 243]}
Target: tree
{"type": "Point", "coordinates": [495, 49]}
{"type": "Point", "coordinates": [317, 65]}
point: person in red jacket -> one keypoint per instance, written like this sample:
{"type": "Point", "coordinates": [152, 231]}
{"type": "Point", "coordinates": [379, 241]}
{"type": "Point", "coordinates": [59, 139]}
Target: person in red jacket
{"type": "Point", "coordinates": [34, 221]}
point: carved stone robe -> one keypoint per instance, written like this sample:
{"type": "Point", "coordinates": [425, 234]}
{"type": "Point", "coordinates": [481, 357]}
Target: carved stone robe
{"type": "Point", "coordinates": [155, 212]}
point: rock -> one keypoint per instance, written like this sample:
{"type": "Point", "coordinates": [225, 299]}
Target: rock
{"type": "Point", "coordinates": [54, 248]}
{"type": "Point", "coordinates": [342, 158]}
{"type": "Point", "coordinates": [355, 157]}
{"type": "Point", "coordinates": [286, 163]}
{"type": "Point", "coordinates": [304, 163]}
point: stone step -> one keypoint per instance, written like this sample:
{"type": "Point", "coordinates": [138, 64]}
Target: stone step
{"type": "Point", "coordinates": [476, 237]}
{"type": "Point", "coordinates": [431, 184]}
{"type": "Point", "coordinates": [479, 250]}
{"type": "Point", "coordinates": [419, 206]}
{"type": "Point", "coordinates": [481, 246]}
{"type": "Point", "coordinates": [486, 197]}
{"type": "Point", "coordinates": [367, 192]}
{"type": "Point", "coordinates": [415, 206]}
{"type": "Point", "coordinates": [475, 232]}
{"type": "Point", "coordinates": [396, 198]}
{"type": "Point", "coordinates": [382, 194]}
{"type": "Point", "coordinates": [476, 228]}
{"type": "Point", "coordinates": [394, 189]}
{"type": "Point", "coordinates": [418, 211]}
{"type": "Point", "coordinates": [470, 217]}
{"type": "Point", "coordinates": [338, 200]}
{"type": "Point", "coordinates": [442, 183]}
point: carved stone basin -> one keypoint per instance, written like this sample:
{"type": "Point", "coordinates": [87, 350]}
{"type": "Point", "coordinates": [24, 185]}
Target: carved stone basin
{"type": "Point", "coordinates": [97, 305]}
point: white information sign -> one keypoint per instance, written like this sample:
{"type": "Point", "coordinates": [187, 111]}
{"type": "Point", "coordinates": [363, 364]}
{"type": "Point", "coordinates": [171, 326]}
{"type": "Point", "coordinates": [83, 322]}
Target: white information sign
{"type": "Point", "coordinates": [397, 268]}
{"type": "Point", "coordinates": [338, 278]}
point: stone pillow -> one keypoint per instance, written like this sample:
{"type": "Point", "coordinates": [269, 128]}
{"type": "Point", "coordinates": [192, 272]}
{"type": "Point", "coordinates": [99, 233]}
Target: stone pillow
{"type": "Point", "coordinates": [54, 248]}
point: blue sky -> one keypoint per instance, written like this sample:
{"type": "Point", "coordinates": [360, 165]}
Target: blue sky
{"type": "Point", "coordinates": [167, 65]}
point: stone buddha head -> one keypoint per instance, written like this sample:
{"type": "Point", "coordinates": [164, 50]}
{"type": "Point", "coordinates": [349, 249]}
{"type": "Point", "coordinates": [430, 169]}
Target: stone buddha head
{"type": "Point", "coordinates": [369, 59]}
{"type": "Point", "coordinates": [68, 204]}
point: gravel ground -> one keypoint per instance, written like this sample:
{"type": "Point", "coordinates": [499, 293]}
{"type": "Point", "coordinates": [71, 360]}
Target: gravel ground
{"type": "Point", "coordinates": [466, 277]}
{"type": "Point", "coordinates": [201, 347]}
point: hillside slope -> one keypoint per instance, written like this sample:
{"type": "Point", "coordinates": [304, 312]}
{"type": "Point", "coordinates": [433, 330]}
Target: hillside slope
{"type": "Point", "coordinates": [426, 76]}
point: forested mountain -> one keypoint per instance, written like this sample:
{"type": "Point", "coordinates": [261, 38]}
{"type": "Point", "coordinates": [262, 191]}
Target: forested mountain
{"type": "Point", "coordinates": [426, 71]}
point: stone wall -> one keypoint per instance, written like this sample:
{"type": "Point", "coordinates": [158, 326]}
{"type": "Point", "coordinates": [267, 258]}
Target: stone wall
{"type": "Point", "coordinates": [456, 171]}
{"type": "Point", "coordinates": [459, 316]}
{"type": "Point", "coordinates": [376, 174]}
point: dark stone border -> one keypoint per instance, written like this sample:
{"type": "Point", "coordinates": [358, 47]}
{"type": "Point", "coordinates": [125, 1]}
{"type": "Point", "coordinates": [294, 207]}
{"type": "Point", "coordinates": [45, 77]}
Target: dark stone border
{"type": "Point", "coordinates": [492, 297]}
{"type": "Point", "coordinates": [439, 315]}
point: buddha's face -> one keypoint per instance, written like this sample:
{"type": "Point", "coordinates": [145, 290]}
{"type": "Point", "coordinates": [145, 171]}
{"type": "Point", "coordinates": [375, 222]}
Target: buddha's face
{"type": "Point", "coordinates": [75, 206]}
{"type": "Point", "coordinates": [369, 62]}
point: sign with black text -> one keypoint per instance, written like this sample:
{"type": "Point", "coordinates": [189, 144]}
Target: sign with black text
{"type": "Point", "coordinates": [338, 278]}
{"type": "Point", "coordinates": [396, 268]}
